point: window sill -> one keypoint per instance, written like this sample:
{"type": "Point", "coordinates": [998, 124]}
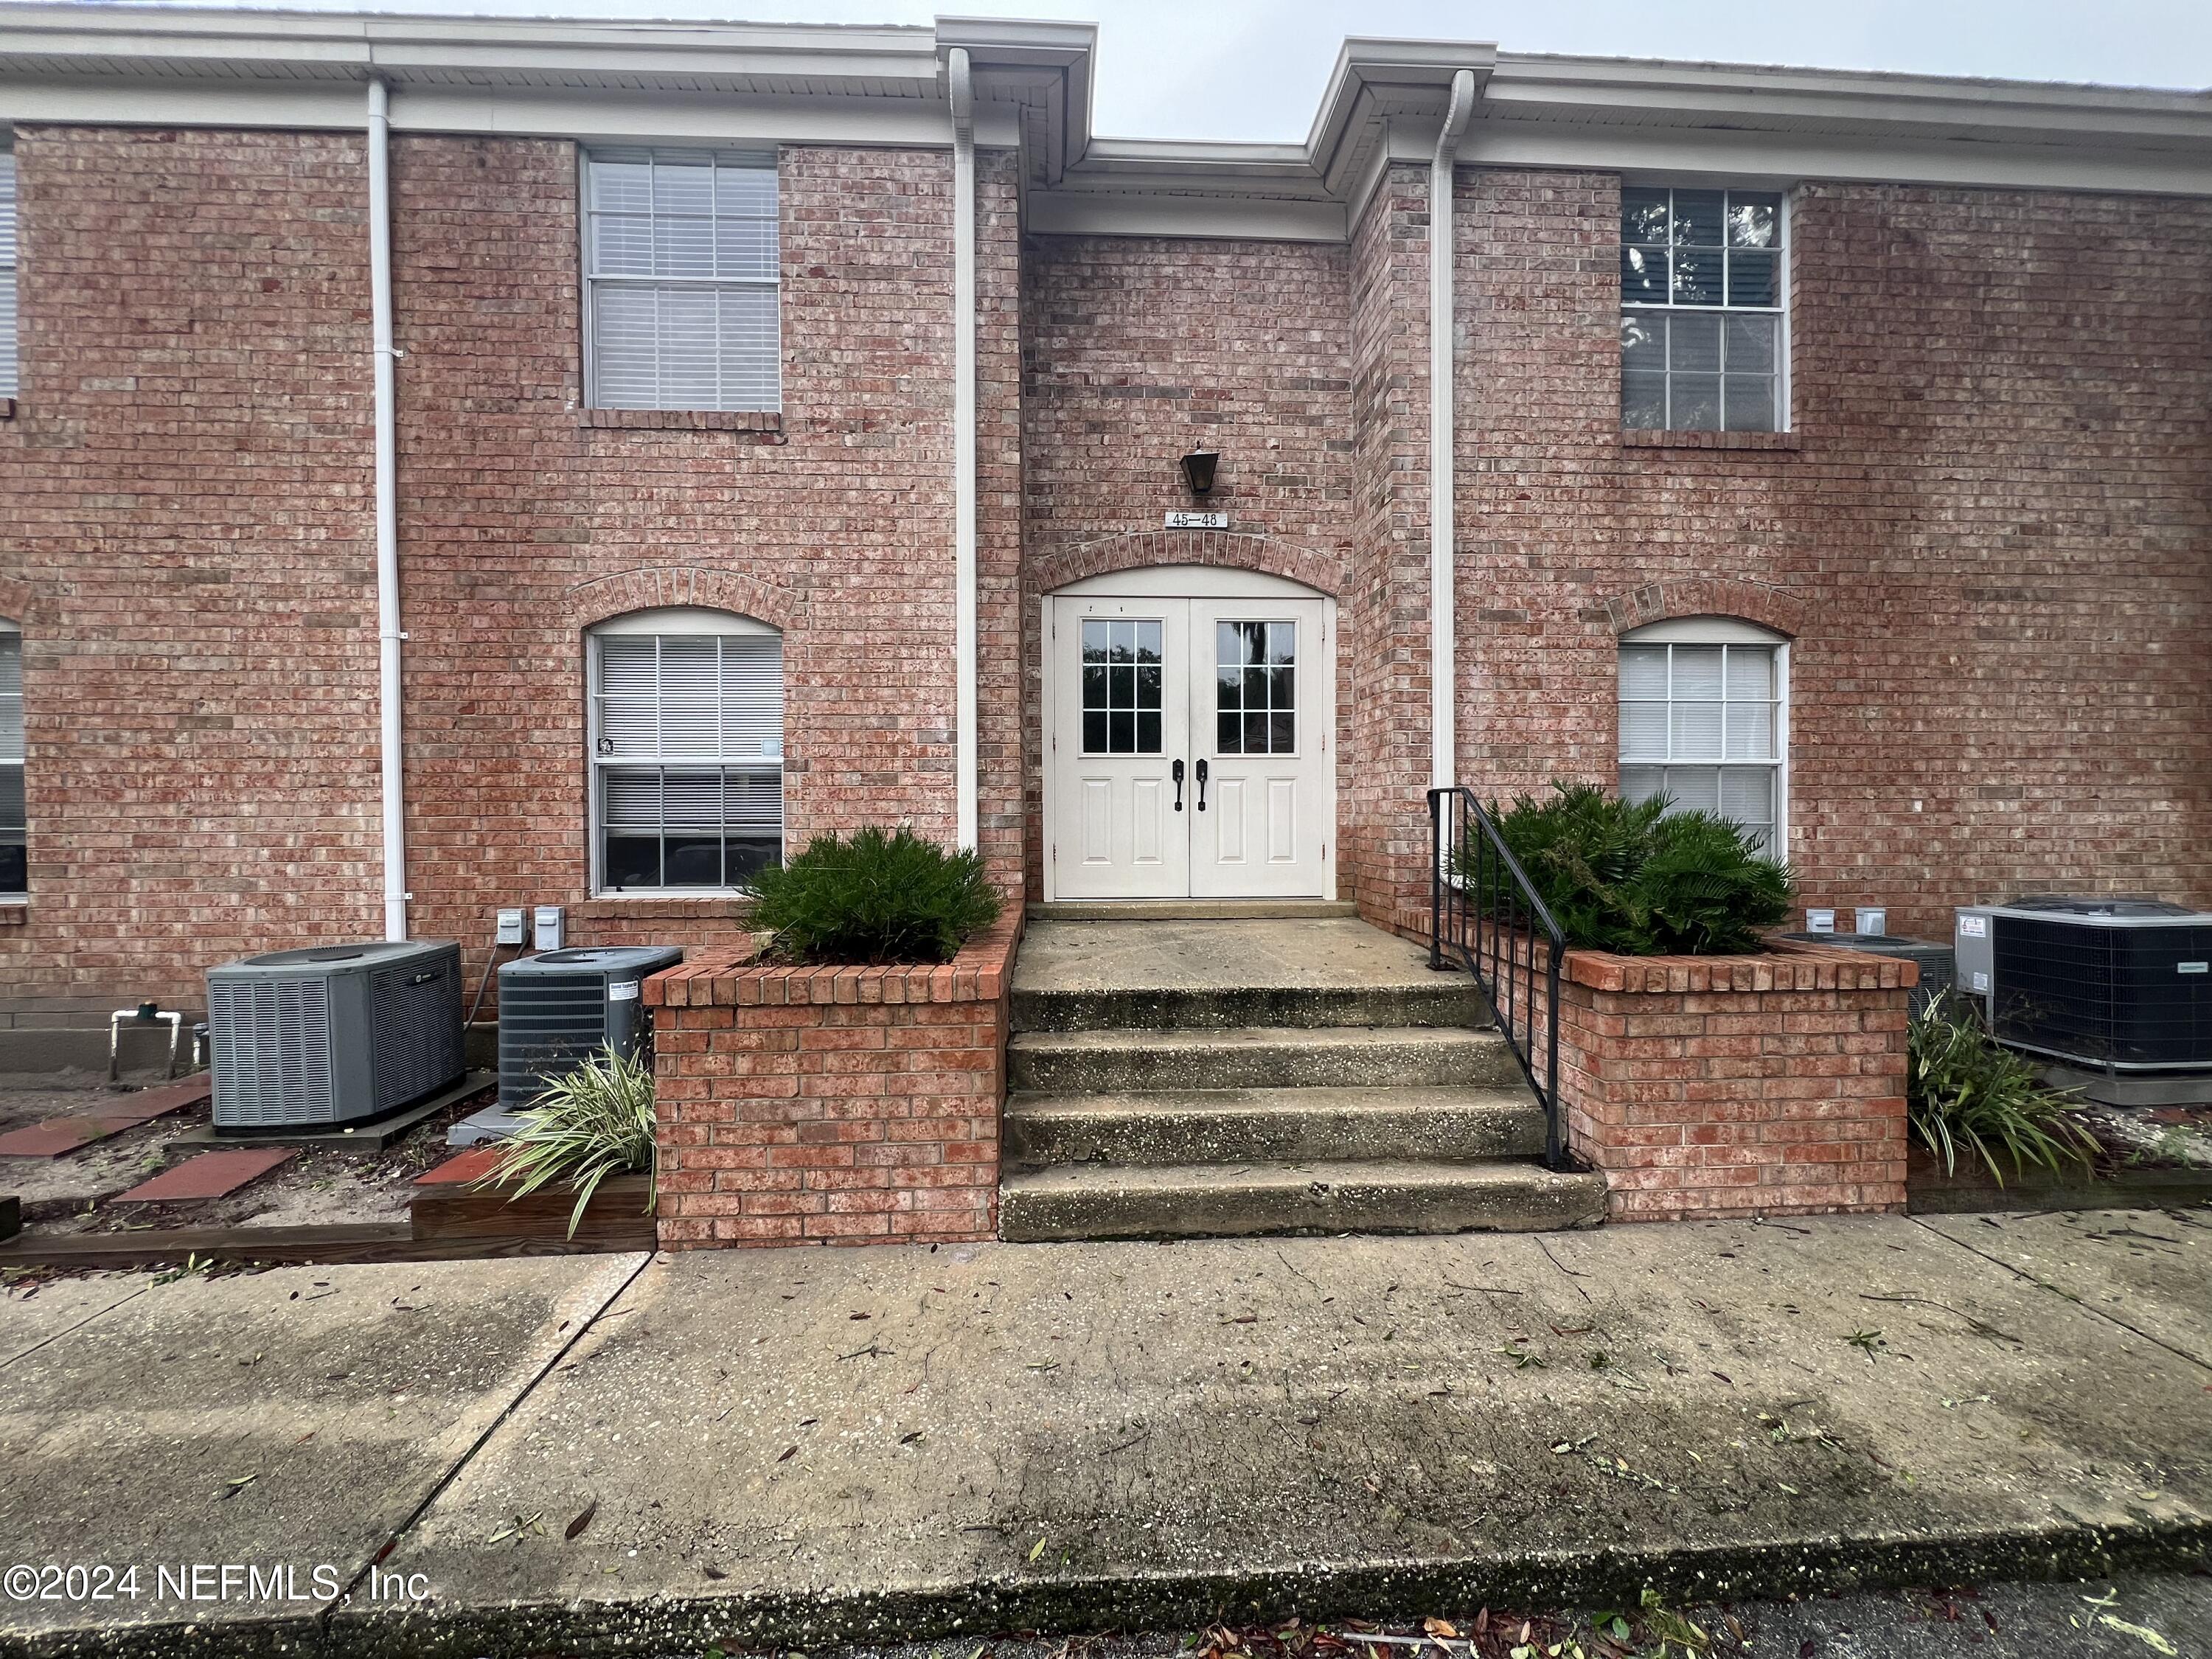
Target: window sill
{"type": "Point", "coordinates": [765, 426]}
{"type": "Point", "coordinates": [673, 907]}
{"type": "Point", "coordinates": [1787, 442]}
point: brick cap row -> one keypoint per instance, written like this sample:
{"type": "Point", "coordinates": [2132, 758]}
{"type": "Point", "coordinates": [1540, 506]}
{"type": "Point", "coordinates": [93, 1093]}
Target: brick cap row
{"type": "Point", "coordinates": [1784, 966]}
{"type": "Point", "coordinates": [739, 979]}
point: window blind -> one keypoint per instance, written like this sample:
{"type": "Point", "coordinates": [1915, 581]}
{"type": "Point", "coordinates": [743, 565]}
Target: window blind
{"type": "Point", "coordinates": [9, 372]}
{"type": "Point", "coordinates": [681, 272]}
{"type": "Point", "coordinates": [1701, 724]}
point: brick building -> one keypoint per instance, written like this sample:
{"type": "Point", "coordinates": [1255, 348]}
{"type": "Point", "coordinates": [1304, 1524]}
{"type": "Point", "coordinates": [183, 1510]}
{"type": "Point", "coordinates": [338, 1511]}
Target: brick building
{"type": "Point", "coordinates": [786, 429]}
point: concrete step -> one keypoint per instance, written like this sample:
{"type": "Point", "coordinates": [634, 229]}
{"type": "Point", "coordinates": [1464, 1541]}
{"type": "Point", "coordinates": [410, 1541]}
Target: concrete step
{"type": "Point", "coordinates": [1447, 999]}
{"type": "Point", "coordinates": [1256, 1057]}
{"type": "Point", "coordinates": [1215, 1126]}
{"type": "Point", "coordinates": [1181, 974]}
{"type": "Point", "coordinates": [1078, 1201]}
{"type": "Point", "coordinates": [1193, 910]}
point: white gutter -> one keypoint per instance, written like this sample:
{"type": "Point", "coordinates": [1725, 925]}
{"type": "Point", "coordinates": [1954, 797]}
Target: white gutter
{"type": "Point", "coordinates": [1444, 668]}
{"type": "Point", "coordinates": [964, 441]}
{"type": "Point", "coordinates": [387, 516]}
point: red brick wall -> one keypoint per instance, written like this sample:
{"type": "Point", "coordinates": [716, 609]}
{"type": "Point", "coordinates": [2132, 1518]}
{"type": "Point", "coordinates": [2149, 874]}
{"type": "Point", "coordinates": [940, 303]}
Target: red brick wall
{"type": "Point", "coordinates": [521, 525]}
{"type": "Point", "coordinates": [185, 517]}
{"type": "Point", "coordinates": [1705, 1086]}
{"type": "Point", "coordinates": [831, 1105]}
{"type": "Point", "coordinates": [184, 523]}
{"type": "Point", "coordinates": [1386, 613]}
{"type": "Point", "coordinates": [1990, 539]}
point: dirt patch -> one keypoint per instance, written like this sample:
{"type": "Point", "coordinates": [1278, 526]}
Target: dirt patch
{"type": "Point", "coordinates": [324, 1185]}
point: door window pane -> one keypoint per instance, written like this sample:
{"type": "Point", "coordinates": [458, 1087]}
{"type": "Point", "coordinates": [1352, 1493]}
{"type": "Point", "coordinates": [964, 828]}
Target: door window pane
{"type": "Point", "coordinates": [1256, 688]}
{"type": "Point", "coordinates": [1122, 687]}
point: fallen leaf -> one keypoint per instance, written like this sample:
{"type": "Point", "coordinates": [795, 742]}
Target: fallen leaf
{"type": "Point", "coordinates": [2149, 1638]}
{"type": "Point", "coordinates": [576, 1527]}
{"type": "Point", "coordinates": [1438, 1627]}
{"type": "Point", "coordinates": [789, 1452]}
{"type": "Point", "coordinates": [1038, 1551]}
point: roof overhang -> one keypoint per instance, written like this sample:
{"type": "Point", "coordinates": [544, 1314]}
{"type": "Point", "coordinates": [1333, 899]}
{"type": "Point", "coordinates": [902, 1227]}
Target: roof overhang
{"type": "Point", "coordinates": [1385, 102]}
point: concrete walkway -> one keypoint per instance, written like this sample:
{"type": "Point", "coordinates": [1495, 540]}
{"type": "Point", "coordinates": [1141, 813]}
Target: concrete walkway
{"type": "Point", "coordinates": [799, 1447]}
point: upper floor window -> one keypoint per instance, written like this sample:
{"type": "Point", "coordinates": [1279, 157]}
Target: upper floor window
{"type": "Point", "coordinates": [8, 364]}
{"type": "Point", "coordinates": [1704, 341]}
{"type": "Point", "coordinates": [1704, 720]}
{"type": "Point", "coordinates": [13, 881]}
{"type": "Point", "coordinates": [687, 750]}
{"type": "Point", "coordinates": [680, 280]}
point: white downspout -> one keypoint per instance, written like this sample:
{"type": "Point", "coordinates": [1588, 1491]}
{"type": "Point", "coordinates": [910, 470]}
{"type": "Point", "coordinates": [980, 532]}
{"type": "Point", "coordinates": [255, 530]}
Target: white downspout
{"type": "Point", "coordinates": [1443, 670]}
{"type": "Point", "coordinates": [387, 516]}
{"type": "Point", "coordinates": [964, 441]}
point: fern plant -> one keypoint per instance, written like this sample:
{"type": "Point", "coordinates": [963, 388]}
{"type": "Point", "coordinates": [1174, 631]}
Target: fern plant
{"type": "Point", "coordinates": [1966, 1092]}
{"type": "Point", "coordinates": [1635, 877]}
{"type": "Point", "coordinates": [596, 1122]}
{"type": "Point", "coordinates": [873, 898]}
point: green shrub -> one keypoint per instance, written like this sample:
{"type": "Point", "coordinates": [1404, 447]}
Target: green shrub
{"type": "Point", "coordinates": [1633, 878]}
{"type": "Point", "coordinates": [1965, 1091]}
{"type": "Point", "coordinates": [874, 898]}
{"type": "Point", "coordinates": [594, 1122]}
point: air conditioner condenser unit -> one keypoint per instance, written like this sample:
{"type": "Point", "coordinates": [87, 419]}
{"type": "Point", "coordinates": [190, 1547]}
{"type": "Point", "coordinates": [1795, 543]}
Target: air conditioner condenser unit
{"type": "Point", "coordinates": [332, 1035]}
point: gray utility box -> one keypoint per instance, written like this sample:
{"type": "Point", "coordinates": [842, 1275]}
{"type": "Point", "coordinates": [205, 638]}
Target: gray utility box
{"type": "Point", "coordinates": [2115, 985]}
{"type": "Point", "coordinates": [332, 1035]}
{"type": "Point", "coordinates": [557, 1010]}
{"type": "Point", "coordinates": [1936, 969]}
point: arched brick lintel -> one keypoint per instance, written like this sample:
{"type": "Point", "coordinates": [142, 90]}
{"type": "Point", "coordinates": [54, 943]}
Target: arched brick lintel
{"type": "Point", "coordinates": [651, 587]}
{"type": "Point", "coordinates": [1231, 550]}
{"type": "Point", "coordinates": [1710, 596]}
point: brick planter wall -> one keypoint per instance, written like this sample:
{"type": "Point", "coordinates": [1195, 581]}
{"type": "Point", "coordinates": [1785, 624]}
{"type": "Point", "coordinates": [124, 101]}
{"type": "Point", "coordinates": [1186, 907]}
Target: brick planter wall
{"type": "Point", "coordinates": [1706, 1086]}
{"type": "Point", "coordinates": [831, 1105]}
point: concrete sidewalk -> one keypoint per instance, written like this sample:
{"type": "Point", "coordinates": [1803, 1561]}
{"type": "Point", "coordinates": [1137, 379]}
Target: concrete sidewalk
{"type": "Point", "coordinates": [800, 1447]}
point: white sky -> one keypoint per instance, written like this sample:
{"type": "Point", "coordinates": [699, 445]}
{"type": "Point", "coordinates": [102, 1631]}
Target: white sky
{"type": "Point", "coordinates": [1254, 69]}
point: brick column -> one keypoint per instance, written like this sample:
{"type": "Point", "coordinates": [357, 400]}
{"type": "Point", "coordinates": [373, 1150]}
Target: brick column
{"type": "Point", "coordinates": [831, 1104]}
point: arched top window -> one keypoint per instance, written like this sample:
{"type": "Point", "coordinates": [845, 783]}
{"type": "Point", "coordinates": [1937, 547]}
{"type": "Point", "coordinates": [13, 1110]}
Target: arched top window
{"type": "Point", "coordinates": [686, 737]}
{"type": "Point", "coordinates": [14, 825]}
{"type": "Point", "coordinates": [1704, 721]}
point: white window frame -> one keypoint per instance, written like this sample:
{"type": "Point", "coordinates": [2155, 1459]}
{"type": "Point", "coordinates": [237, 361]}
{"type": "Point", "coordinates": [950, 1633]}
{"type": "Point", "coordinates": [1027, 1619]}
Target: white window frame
{"type": "Point", "coordinates": [665, 622]}
{"type": "Point", "coordinates": [11, 347]}
{"type": "Point", "coordinates": [1784, 401]}
{"type": "Point", "coordinates": [1720, 630]}
{"type": "Point", "coordinates": [11, 632]}
{"type": "Point", "coordinates": [594, 282]}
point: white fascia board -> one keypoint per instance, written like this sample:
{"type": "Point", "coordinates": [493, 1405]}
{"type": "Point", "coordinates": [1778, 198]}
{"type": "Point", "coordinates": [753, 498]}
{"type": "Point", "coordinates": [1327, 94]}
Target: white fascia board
{"type": "Point", "coordinates": [626, 117]}
{"type": "Point", "coordinates": [1787, 157]}
{"type": "Point", "coordinates": [1102, 213]}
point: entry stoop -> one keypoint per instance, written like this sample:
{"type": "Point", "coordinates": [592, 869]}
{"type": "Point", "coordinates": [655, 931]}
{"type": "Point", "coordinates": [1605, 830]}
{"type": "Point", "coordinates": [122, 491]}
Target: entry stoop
{"type": "Point", "coordinates": [1183, 1079]}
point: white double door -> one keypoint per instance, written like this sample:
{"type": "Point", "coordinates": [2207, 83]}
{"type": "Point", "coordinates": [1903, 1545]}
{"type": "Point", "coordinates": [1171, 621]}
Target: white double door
{"type": "Point", "coordinates": [1189, 742]}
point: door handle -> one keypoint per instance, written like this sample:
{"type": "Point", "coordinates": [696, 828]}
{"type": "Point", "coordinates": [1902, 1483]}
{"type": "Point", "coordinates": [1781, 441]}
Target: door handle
{"type": "Point", "coordinates": [1201, 786]}
{"type": "Point", "coordinates": [1177, 775]}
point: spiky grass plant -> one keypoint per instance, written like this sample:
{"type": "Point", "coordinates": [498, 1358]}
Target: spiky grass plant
{"type": "Point", "coordinates": [875, 897]}
{"type": "Point", "coordinates": [1967, 1092]}
{"type": "Point", "coordinates": [1634, 877]}
{"type": "Point", "coordinates": [594, 1122]}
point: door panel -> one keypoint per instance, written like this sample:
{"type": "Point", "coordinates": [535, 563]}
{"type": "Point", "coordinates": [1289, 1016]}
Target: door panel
{"type": "Point", "coordinates": [1260, 695]}
{"type": "Point", "coordinates": [1121, 708]}
{"type": "Point", "coordinates": [1242, 687]}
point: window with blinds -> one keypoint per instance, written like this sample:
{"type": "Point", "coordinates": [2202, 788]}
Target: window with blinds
{"type": "Point", "coordinates": [1701, 723]}
{"type": "Point", "coordinates": [680, 280]}
{"type": "Point", "coordinates": [14, 838]}
{"type": "Point", "coordinates": [8, 349]}
{"type": "Point", "coordinates": [687, 757]}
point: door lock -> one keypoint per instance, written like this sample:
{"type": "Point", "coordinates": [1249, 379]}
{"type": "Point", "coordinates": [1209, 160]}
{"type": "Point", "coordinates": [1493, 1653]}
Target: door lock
{"type": "Point", "coordinates": [1176, 774]}
{"type": "Point", "coordinates": [1201, 786]}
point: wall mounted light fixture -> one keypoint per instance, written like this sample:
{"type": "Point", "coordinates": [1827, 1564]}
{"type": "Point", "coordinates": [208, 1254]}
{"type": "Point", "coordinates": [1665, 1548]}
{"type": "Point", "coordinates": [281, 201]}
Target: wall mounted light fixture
{"type": "Point", "coordinates": [1198, 471]}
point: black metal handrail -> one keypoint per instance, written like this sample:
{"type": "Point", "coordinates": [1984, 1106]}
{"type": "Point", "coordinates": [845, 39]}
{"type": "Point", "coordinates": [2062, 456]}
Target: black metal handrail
{"type": "Point", "coordinates": [1486, 916]}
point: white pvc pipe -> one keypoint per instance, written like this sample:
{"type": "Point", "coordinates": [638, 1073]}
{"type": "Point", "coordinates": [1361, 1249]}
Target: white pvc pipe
{"type": "Point", "coordinates": [964, 441]}
{"type": "Point", "coordinates": [1443, 622]}
{"type": "Point", "coordinates": [391, 756]}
